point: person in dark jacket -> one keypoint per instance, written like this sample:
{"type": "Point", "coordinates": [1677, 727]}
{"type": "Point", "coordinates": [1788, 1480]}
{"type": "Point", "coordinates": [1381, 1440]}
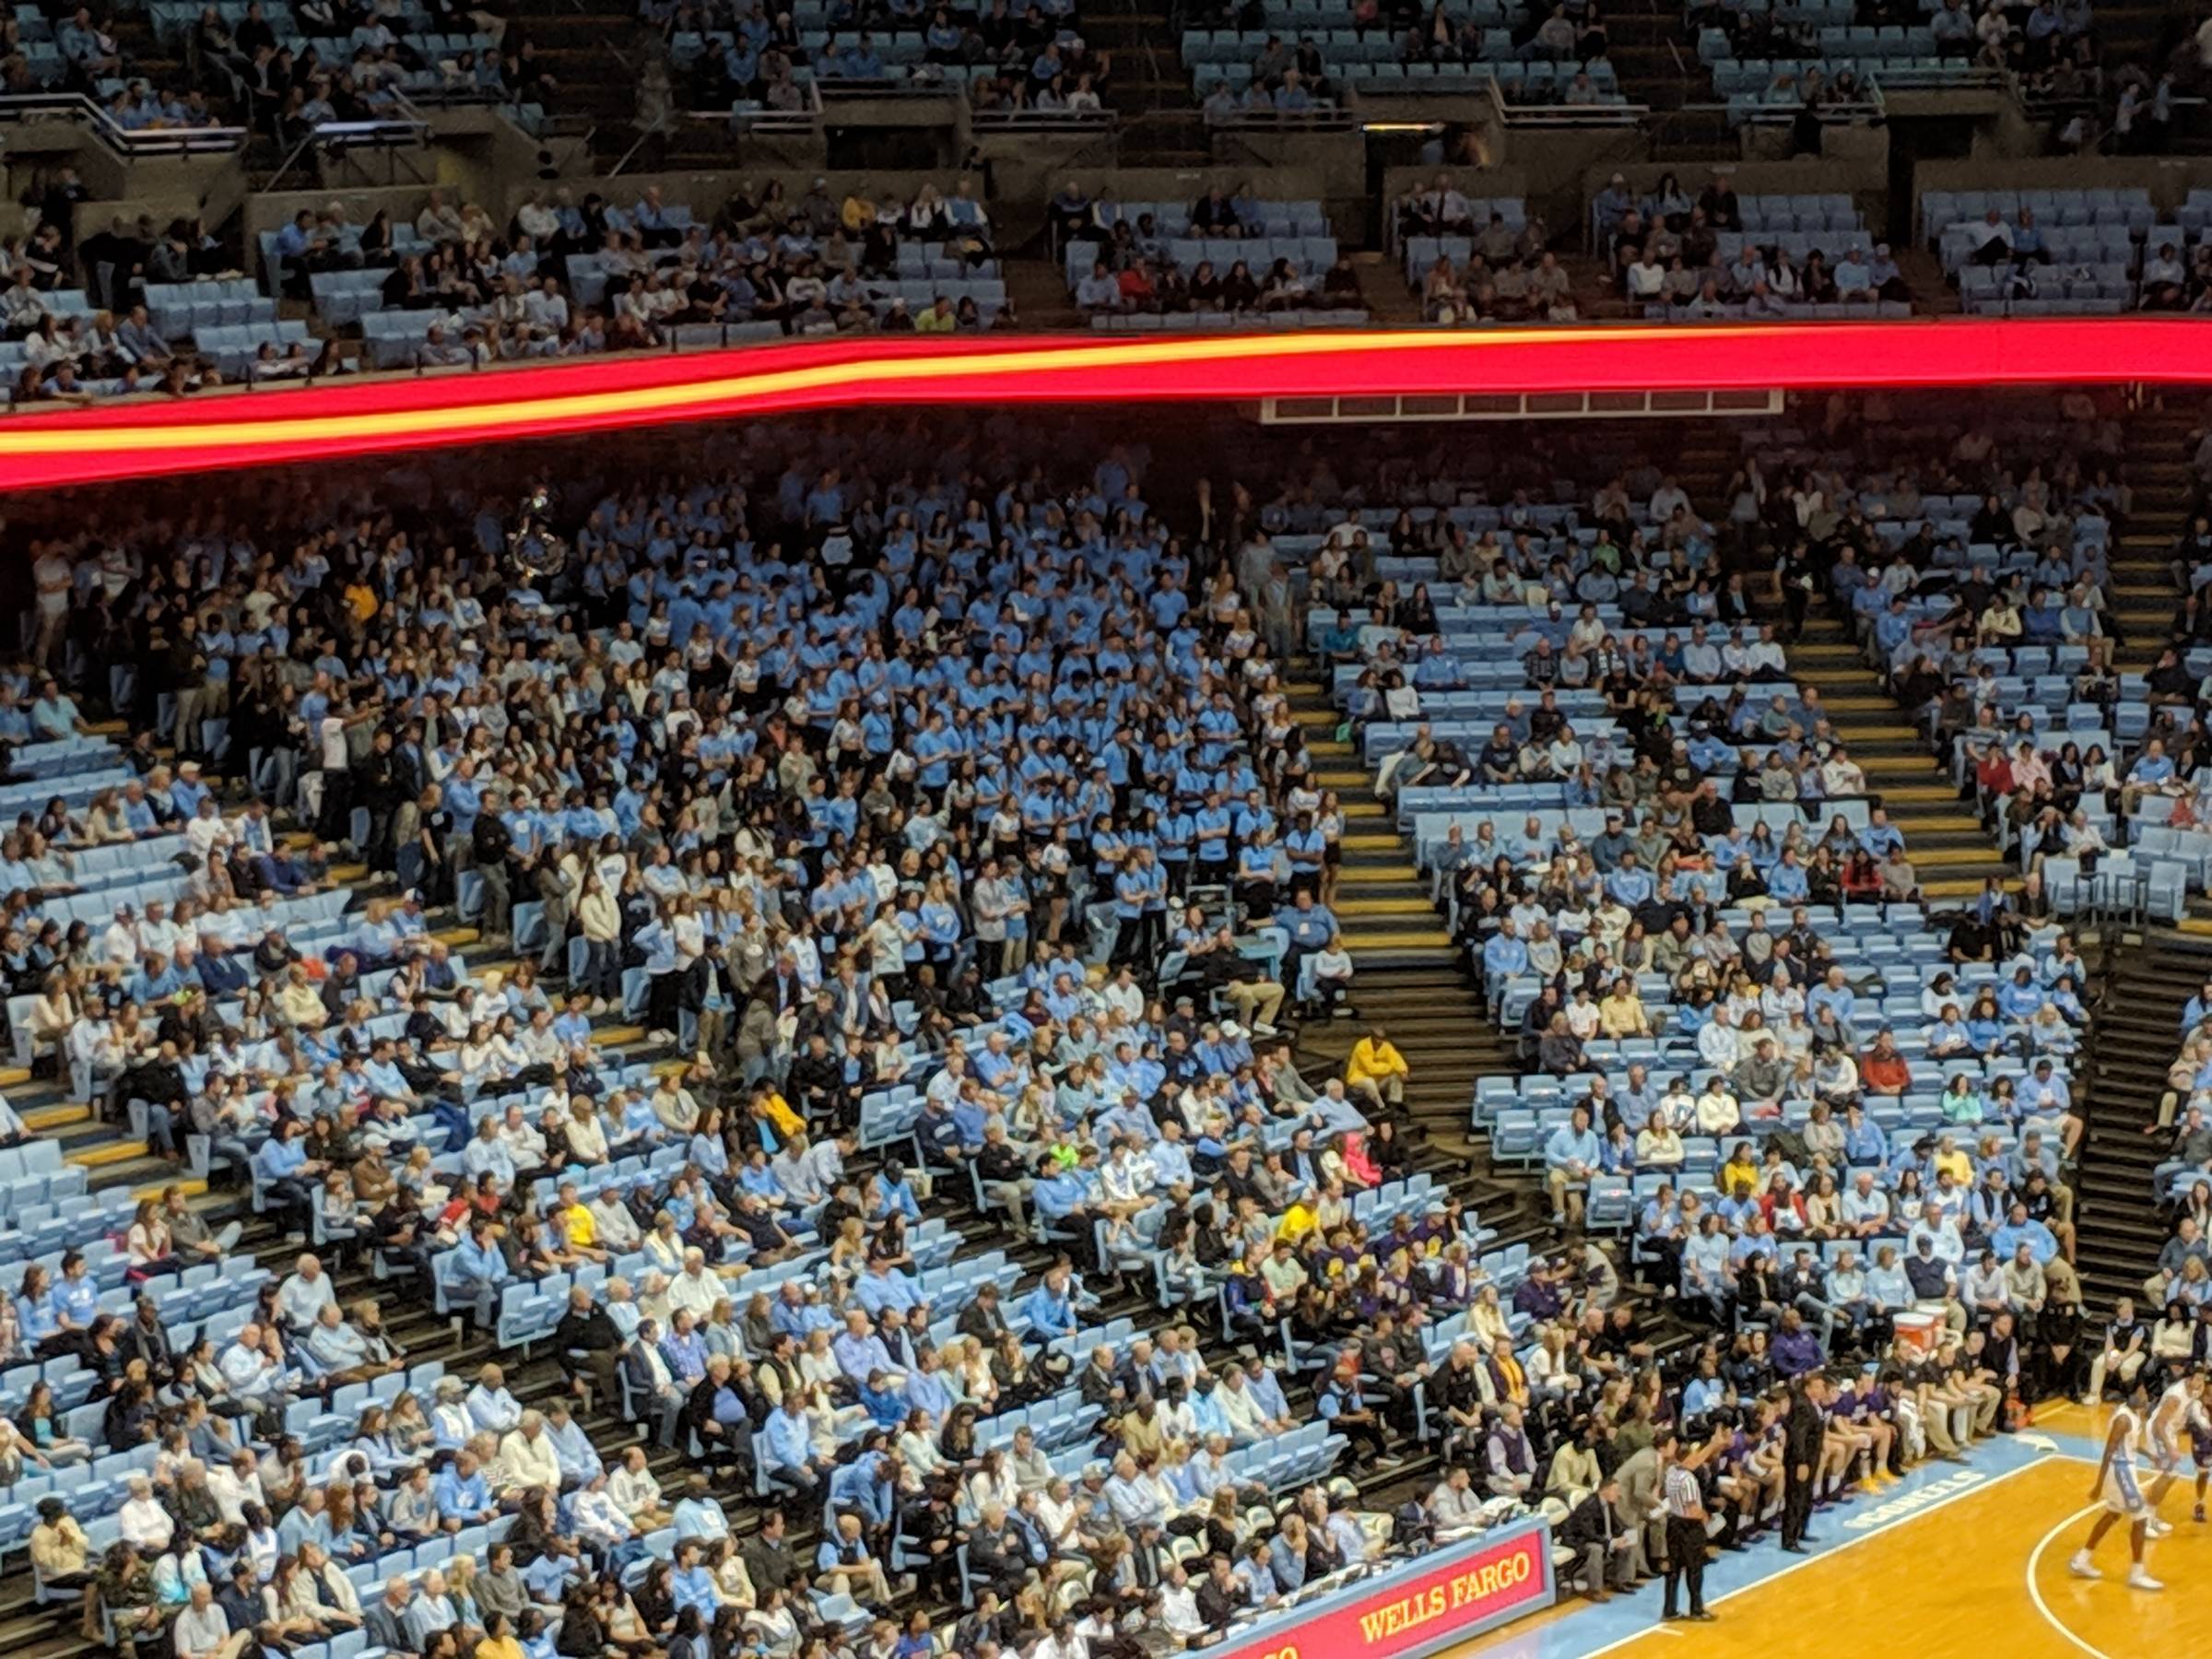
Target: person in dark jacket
{"type": "Point", "coordinates": [1805, 1432]}
{"type": "Point", "coordinates": [1609, 1552]}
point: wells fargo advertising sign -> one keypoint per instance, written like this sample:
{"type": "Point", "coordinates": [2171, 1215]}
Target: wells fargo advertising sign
{"type": "Point", "coordinates": [1455, 1593]}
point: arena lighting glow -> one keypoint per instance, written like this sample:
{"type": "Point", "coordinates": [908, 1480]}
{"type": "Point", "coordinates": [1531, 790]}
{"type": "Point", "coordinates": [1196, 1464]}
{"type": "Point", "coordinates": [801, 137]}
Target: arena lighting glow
{"type": "Point", "coordinates": [342, 419]}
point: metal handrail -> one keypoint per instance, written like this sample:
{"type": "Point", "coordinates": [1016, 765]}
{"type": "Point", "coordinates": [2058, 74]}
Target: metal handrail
{"type": "Point", "coordinates": [125, 141]}
{"type": "Point", "coordinates": [385, 133]}
{"type": "Point", "coordinates": [1044, 120]}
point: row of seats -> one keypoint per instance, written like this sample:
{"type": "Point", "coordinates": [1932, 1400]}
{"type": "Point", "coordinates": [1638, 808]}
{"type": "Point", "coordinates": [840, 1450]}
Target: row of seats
{"type": "Point", "coordinates": [1838, 40]}
{"type": "Point", "coordinates": [184, 307]}
{"type": "Point", "coordinates": [1202, 47]}
{"type": "Point", "coordinates": [1793, 311]}
{"type": "Point", "coordinates": [1224, 322]}
{"type": "Point", "coordinates": [2129, 207]}
{"type": "Point", "coordinates": [1539, 82]}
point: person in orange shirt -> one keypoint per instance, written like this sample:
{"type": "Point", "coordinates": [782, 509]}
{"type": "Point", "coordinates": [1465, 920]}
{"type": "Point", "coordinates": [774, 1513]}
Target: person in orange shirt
{"type": "Point", "coordinates": [1377, 1070]}
{"type": "Point", "coordinates": [1882, 1069]}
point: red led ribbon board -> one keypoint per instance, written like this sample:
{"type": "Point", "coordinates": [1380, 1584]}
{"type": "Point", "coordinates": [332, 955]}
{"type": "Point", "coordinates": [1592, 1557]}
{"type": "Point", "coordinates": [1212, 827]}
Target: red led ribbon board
{"type": "Point", "coordinates": [1471, 1587]}
{"type": "Point", "coordinates": [339, 419]}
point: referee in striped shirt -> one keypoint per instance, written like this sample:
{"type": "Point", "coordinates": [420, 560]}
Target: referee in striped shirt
{"type": "Point", "coordinates": [1685, 1504]}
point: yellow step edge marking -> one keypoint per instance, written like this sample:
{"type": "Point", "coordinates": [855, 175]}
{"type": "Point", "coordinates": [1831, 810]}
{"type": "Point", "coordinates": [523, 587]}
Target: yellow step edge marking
{"type": "Point", "coordinates": [1964, 887]}
{"type": "Point", "coordinates": [1953, 855]}
{"type": "Point", "coordinates": [192, 1186]}
{"type": "Point", "coordinates": [57, 1117]}
{"type": "Point", "coordinates": [1407, 941]}
{"type": "Point", "coordinates": [114, 1152]}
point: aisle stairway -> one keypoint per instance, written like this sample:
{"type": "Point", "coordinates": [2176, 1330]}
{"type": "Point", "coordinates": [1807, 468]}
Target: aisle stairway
{"type": "Point", "coordinates": [1948, 844]}
{"type": "Point", "coordinates": [2137, 1030]}
{"type": "Point", "coordinates": [1411, 979]}
{"type": "Point", "coordinates": [2143, 597]}
{"type": "Point", "coordinates": [1382, 902]}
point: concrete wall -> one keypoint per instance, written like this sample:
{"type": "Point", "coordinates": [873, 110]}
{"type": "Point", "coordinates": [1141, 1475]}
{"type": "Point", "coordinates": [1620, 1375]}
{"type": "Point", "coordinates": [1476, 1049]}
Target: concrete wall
{"type": "Point", "coordinates": [165, 186]}
{"type": "Point", "coordinates": [1555, 161]}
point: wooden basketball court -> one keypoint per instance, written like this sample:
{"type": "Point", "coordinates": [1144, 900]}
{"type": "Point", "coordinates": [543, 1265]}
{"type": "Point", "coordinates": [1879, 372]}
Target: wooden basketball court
{"type": "Point", "coordinates": [1956, 1559]}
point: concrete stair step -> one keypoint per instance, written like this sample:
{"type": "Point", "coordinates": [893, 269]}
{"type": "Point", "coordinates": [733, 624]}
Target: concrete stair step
{"type": "Point", "coordinates": [1350, 908]}
{"type": "Point", "coordinates": [1371, 840]}
{"type": "Point", "coordinates": [1378, 939]}
{"type": "Point", "coordinates": [1376, 875]}
{"type": "Point", "coordinates": [1967, 887]}
{"type": "Point", "coordinates": [57, 1117]}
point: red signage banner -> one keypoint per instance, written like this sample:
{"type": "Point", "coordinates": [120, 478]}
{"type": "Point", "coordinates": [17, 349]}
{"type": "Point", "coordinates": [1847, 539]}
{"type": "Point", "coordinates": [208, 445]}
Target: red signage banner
{"type": "Point", "coordinates": [147, 438]}
{"type": "Point", "coordinates": [1457, 1593]}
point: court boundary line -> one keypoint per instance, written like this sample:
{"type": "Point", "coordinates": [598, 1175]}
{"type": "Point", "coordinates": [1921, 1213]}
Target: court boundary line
{"type": "Point", "coordinates": [1800, 1563]}
{"type": "Point", "coordinates": [2035, 1590]}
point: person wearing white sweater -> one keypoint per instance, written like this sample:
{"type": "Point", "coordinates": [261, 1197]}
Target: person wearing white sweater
{"type": "Point", "coordinates": [527, 1458]}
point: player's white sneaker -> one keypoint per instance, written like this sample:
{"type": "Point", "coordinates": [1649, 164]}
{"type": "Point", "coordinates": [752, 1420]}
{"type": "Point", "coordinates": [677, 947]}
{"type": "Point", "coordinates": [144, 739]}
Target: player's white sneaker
{"type": "Point", "coordinates": [2137, 1579]}
{"type": "Point", "coordinates": [2157, 1528]}
{"type": "Point", "coordinates": [2082, 1566]}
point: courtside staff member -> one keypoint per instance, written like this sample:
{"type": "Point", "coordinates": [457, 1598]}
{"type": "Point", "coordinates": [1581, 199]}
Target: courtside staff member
{"type": "Point", "coordinates": [1805, 1439]}
{"type": "Point", "coordinates": [1684, 1525]}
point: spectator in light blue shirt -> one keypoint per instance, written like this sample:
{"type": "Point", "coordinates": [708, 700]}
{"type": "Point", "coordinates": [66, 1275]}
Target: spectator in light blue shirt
{"type": "Point", "coordinates": [860, 1351]}
{"type": "Point", "coordinates": [861, 1487]}
{"type": "Point", "coordinates": [790, 1461]}
{"type": "Point", "coordinates": [698, 1515]}
{"type": "Point", "coordinates": [1504, 956]}
{"type": "Point", "coordinates": [691, 1585]}
{"type": "Point", "coordinates": [475, 1271]}
{"type": "Point", "coordinates": [1049, 1307]}
{"type": "Point", "coordinates": [881, 1286]}
{"type": "Point", "coordinates": [2021, 1230]}
{"type": "Point", "coordinates": [461, 1492]}
{"type": "Point", "coordinates": [1570, 1156]}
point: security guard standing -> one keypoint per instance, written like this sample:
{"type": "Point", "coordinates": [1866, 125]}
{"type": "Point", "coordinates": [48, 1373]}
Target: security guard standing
{"type": "Point", "coordinates": [1685, 1504]}
{"type": "Point", "coordinates": [1805, 1439]}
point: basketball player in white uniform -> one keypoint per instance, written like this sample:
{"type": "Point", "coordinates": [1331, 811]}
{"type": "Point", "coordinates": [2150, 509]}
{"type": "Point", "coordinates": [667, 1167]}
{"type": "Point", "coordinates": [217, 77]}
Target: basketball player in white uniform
{"type": "Point", "coordinates": [2121, 1492]}
{"type": "Point", "coordinates": [2165, 1433]}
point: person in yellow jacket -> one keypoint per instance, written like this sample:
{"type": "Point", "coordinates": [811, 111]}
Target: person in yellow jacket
{"type": "Point", "coordinates": [1298, 1221]}
{"type": "Point", "coordinates": [1377, 1070]}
